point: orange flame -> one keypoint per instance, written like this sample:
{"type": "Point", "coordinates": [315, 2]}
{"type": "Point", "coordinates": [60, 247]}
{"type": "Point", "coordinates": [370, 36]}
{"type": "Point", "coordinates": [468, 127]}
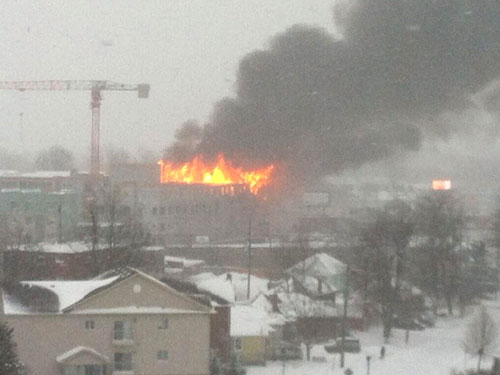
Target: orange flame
{"type": "Point", "coordinates": [221, 172]}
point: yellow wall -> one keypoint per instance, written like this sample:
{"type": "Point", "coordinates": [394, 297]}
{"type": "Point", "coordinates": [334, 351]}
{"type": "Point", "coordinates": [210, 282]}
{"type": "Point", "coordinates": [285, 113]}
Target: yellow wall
{"type": "Point", "coordinates": [253, 351]}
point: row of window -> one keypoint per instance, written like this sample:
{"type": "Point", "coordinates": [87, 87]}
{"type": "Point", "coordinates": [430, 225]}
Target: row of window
{"type": "Point", "coordinates": [85, 370]}
{"type": "Point", "coordinates": [124, 361]}
{"type": "Point", "coordinates": [122, 329]}
{"type": "Point", "coordinates": [181, 209]}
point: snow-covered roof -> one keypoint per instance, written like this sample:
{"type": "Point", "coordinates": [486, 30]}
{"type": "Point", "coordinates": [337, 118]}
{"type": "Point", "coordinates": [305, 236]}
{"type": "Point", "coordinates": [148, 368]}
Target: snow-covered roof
{"type": "Point", "coordinates": [261, 302]}
{"type": "Point", "coordinates": [67, 292]}
{"type": "Point", "coordinates": [202, 276]}
{"type": "Point", "coordinates": [70, 292]}
{"type": "Point", "coordinates": [232, 289]}
{"type": "Point", "coordinates": [153, 248]}
{"type": "Point", "coordinates": [67, 248]}
{"type": "Point", "coordinates": [319, 274]}
{"type": "Point", "coordinates": [136, 310]}
{"type": "Point", "coordinates": [250, 321]}
{"type": "Point", "coordinates": [38, 297]}
{"type": "Point", "coordinates": [9, 173]}
{"type": "Point", "coordinates": [46, 174]}
{"type": "Point", "coordinates": [220, 287]}
{"type": "Point", "coordinates": [61, 248]}
{"type": "Point", "coordinates": [320, 265]}
{"type": "Point", "coordinates": [240, 285]}
{"type": "Point", "coordinates": [35, 174]}
{"type": "Point", "coordinates": [314, 286]}
{"type": "Point", "coordinates": [183, 261]}
{"type": "Point", "coordinates": [80, 349]}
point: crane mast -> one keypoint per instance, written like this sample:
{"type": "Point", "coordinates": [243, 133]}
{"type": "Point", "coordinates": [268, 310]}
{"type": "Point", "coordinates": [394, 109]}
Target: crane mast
{"type": "Point", "coordinates": [95, 88]}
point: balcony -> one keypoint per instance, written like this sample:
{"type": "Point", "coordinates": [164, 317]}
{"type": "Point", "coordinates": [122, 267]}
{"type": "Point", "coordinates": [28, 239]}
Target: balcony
{"type": "Point", "coordinates": [122, 334]}
{"type": "Point", "coordinates": [123, 342]}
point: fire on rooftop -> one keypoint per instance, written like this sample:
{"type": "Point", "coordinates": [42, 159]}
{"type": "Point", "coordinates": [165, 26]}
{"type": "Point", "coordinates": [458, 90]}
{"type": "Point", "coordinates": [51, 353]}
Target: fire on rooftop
{"type": "Point", "coordinates": [218, 172]}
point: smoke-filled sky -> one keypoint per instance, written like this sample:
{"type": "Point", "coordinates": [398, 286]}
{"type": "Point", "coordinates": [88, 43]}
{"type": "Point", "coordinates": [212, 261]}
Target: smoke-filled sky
{"type": "Point", "coordinates": [317, 87]}
{"type": "Point", "coordinates": [403, 72]}
{"type": "Point", "coordinates": [187, 50]}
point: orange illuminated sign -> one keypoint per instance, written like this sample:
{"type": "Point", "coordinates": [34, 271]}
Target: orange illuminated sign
{"type": "Point", "coordinates": [441, 184]}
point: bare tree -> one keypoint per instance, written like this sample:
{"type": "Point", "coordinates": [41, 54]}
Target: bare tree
{"type": "Point", "coordinates": [495, 228]}
{"type": "Point", "coordinates": [55, 158]}
{"type": "Point", "coordinates": [92, 230]}
{"type": "Point", "coordinates": [304, 310]}
{"type": "Point", "coordinates": [481, 335]}
{"type": "Point", "coordinates": [111, 204]}
{"type": "Point", "coordinates": [440, 222]}
{"type": "Point", "coordinates": [110, 223]}
{"type": "Point", "coordinates": [383, 257]}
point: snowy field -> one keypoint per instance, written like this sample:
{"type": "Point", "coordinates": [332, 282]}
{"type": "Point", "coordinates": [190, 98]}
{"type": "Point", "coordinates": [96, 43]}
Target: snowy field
{"type": "Point", "coordinates": [433, 351]}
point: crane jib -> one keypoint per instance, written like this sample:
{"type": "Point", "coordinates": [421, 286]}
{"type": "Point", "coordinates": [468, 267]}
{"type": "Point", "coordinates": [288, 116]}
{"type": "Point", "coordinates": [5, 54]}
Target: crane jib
{"type": "Point", "coordinates": [142, 89]}
{"type": "Point", "coordinates": [95, 87]}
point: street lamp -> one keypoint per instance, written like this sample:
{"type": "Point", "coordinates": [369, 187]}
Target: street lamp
{"type": "Point", "coordinates": [368, 364]}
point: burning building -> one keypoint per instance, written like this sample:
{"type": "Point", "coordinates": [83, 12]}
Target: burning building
{"type": "Point", "coordinates": [217, 173]}
{"type": "Point", "coordinates": [193, 201]}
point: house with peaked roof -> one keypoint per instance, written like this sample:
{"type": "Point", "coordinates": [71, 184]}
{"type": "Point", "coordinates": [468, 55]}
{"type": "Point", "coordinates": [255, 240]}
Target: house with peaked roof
{"type": "Point", "coordinates": [126, 323]}
{"type": "Point", "coordinates": [320, 276]}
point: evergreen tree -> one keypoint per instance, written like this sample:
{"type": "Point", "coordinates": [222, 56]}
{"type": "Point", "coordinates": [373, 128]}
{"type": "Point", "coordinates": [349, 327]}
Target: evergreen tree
{"type": "Point", "coordinates": [215, 365]}
{"type": "Point", "coordinates": [9, 363]}
{"type": "Point", "coordinates": [234, 367]}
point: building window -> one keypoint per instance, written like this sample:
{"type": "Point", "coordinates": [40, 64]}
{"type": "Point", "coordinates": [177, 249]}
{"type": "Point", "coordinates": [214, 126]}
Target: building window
{"type": "Point", "coordinates": [89, 324]}
{"type": "Point", "coordinates": [123, 361]}
{"type": "Point", "coordinates": [122, 330]}
{"type": "Point", "coordinates": [85, 370]}
{"type": "Point", "coordinates": [162, 210]}
{"type": "Point", "coordinates": [237, 344]}
{"type": "Point", "coordinates": [163, 324]}
{"type": "Point", "coordinates": [162, 355]}
{"type": "Point", "coordinates": [154, 210]}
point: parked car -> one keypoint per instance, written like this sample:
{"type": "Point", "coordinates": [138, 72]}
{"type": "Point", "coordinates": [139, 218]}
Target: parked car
{"type": "Point", "coordinates": [409, 324]}
{"type": "Point", "coordinates": [286, 351]}
{"type": "Point", "coordinates": [427, 318]}
{"type": "Point", "coordinates": [351, 345]}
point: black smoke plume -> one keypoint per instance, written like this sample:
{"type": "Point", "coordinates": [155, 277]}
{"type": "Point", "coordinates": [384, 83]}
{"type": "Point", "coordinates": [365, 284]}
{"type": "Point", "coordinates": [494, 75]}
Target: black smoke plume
{"type": "Point", "coordinates": [320, 105]}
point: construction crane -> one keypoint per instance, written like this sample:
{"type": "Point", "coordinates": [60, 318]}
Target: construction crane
{"type": "Point", "coordinates": [95, 88]}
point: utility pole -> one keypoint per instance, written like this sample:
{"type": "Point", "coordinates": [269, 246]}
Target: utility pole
{"type": "Point", "coordinates": [249, 256]}
{"type": "Point", "coordinates": [21, 132]}
{"type": "Point", "coordinates": [59, 223]}
{"type": "Point", "coordinates": [344, 316]}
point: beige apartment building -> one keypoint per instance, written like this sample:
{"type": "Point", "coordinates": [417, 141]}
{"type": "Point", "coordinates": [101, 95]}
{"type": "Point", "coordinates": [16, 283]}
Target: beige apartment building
{"type": "Point", "coordinates": [125, 324]}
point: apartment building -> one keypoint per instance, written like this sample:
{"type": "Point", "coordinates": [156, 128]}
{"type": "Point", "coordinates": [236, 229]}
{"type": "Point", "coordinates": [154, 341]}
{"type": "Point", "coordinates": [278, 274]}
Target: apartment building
{"type": "Point", "coordinates": [123, 324]}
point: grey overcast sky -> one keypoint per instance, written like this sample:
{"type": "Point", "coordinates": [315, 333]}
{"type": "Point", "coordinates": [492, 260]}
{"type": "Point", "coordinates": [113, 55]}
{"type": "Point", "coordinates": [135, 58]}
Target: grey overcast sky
{"type": "Point", "coordinates": [188, 50]}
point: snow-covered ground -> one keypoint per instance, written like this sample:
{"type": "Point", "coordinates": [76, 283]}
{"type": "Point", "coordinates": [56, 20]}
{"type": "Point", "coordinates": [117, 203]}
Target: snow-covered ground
{"type": "Point", "coordinates": [433, 351]}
